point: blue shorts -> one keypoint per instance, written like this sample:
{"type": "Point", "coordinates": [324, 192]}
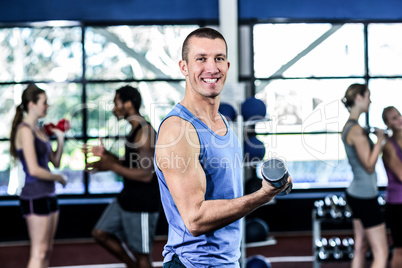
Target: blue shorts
{"type": "Point", "coordinates": [136, 229]}
{"type": "Point", "coordinates": [367, 210]}
{"type": "Point", "coordinates": [40, 206]}
{"type": "Point", "coordinates": [393, 216]}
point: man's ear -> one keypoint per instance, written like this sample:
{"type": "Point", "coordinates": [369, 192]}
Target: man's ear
{"type": "Point", "coordinates": [128, 106]}
{"type": "Point", "coordinates": [183, 67]}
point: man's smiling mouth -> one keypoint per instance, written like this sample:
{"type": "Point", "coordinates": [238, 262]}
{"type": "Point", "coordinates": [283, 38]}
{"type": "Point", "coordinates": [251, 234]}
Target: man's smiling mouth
{"type": "Point", "coordinates": [207, 80]}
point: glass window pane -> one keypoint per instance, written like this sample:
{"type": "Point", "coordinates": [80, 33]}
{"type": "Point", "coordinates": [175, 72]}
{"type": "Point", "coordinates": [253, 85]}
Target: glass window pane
{"type": "Point", "coordinates": [72, 165]}
{"type": "Point", "coordinates": [157, 100]}
{"type": "Point", "coordinates": [107, 181]}
{"type": "Point", "coordinates": [385, 48]}
{"type": "Point", "coordinates": [304, 50]}
{"type": "Point", "coordinates": [5, 166]}
{"type": "Point", "coordinates": [134, 52]}
{"type": "Point", "coordinates": [304, 105]}
{"type": "Point", "coordinates": [52, 53]}
{"type": "Point", "coordinates": [384, 92]}
{"type": "Point", "coordinates": [10, 97]}
{"type": "Point", "coordinates": [65, 102]}
{"type": "Point", "coordinates": [315, 160]}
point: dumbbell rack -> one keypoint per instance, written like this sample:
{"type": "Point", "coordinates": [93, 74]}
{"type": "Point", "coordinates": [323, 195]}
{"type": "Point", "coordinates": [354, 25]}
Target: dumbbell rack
{"type": "Point", "coordinates": [316, 226]}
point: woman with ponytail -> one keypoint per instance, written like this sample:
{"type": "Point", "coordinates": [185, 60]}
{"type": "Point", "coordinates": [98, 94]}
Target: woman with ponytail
{"type": "Point", "coordinates": [362, 193]}
{"type": "Point", "coordinates": [38, 200]}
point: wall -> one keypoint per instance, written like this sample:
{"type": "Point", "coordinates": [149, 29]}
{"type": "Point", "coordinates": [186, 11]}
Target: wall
{"type": "Point", "coordinates": [184, 10]}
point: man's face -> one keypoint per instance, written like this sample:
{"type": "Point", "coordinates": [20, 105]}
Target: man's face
{"type": "Point", "coordinates": [118, 109]}
{"type": "Point", "coordinates": [207, 66]}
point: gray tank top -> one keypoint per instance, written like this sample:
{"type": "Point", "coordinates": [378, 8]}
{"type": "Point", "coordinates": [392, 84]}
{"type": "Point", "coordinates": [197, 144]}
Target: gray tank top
{"type": "Point", "coordinates": [364, 184]}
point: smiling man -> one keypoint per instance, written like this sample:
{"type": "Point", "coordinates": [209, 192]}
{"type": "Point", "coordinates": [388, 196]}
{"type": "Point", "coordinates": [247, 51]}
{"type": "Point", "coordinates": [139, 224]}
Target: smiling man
{"type": "Point", "coordinates": [198, 163]}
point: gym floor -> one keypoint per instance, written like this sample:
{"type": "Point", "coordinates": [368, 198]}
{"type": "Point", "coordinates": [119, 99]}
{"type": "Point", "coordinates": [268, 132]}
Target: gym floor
{"type": "Point", "coordinates": [290, 250]}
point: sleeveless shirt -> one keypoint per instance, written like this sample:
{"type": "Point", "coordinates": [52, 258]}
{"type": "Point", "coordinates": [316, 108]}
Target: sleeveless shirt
{"type": "Point", "coordinates": [35, 187]}
{"type": "Point", "coordinates": [138, 196]}
{"type": "Point", "coordinates": [393, 194]}
{"type": "Point", "coordinates": [221, 160]}
{"type": "Point", "coordinates": [364, 184]}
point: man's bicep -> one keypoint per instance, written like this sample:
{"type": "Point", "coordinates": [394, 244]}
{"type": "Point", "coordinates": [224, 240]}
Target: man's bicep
{"type": "Point", "coordinates": [177, 156]}
{"type": "Point", "coordinates": [186, 182]}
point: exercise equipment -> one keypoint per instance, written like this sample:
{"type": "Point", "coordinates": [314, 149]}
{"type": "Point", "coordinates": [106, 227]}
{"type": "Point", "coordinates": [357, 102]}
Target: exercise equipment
{"type": "Point", "coordinates": [253, 108]}
{"type": "Point", "coordinates": [322, 251]}
{"type": "Point", "coordinates": [258, 261]}
{"type": "Point", "coordinates": [228, 111]}
{"type": "Point", "coordinates": [254, 149]}
{"type": "Point", "coordinates": [348, 248]}
{"type": "Point", "coordinates": [63, 125]}
{"type": "Point", "coordinates": [333, 207]}
{"type": "Point", "coordinates": [257, 230]}
{"type": "Point", "coordinates": [374, 130]}
{"type": "Point", "coordinates": [275, 172]}
{"type": "Point", "coordinates": [319, 206]}
{"type": "Point", "coordinates": [335, 244]}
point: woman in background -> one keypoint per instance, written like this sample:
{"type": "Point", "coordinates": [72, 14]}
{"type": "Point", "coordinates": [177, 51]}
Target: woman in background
{"type": "Point", "coordinates": [362, 193]}
{"type": "Point", "coordinates": [392, 158]}
{"type": "Point", "coordinates": [38, 200]}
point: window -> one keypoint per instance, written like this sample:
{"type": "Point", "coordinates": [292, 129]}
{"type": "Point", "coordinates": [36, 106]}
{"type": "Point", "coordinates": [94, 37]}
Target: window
{"type": "Point", "coordinates": [301, 73]}
{"type": "Point", "coordinates": [53, 57]}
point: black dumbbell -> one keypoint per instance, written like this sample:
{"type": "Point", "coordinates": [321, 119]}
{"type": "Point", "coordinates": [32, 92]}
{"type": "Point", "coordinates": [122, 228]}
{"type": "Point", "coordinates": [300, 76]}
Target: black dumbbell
{"type": "Point", "coordinates": [275, 172]}
{"type": "Point", "coordinates": [348, 248]}
{"type": "Point", "coordinates": [322, 252]}
{"type": "Point", "coordinates": [381, 200]}
{"type": "Point", "coordinates": [335, 244]}
{"type": "Point", "coordinates": [335, 208]}
{"type": "Point", "coordinates": [319, 204]}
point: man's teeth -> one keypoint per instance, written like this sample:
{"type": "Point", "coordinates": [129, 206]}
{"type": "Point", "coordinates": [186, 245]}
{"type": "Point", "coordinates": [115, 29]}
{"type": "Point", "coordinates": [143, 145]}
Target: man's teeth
{"type": "Point", "coordinates": [210, 80]}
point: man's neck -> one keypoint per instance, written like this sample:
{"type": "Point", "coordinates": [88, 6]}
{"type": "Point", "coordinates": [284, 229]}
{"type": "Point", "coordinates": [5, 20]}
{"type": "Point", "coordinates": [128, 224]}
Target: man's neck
{"type": "Point", "coordinates": [135, 120]}
{"type": "Point", "coordinates": [202, 107]}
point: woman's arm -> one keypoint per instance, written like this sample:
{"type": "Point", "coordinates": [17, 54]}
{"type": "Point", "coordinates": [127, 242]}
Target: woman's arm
{"type": "Point", "coordinates": [26, 139]}
{"type": "Point", "coordinates": [55, 156]}
{"type": "Point", "coordinates": [368, 158]}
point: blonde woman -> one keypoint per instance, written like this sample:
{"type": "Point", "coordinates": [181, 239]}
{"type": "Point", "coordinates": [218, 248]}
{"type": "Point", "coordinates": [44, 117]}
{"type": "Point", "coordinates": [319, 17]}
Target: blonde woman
{"type": "Point", "coordinates": [392, 158]}
{"type": "Point", "coordinates": [362, 193]}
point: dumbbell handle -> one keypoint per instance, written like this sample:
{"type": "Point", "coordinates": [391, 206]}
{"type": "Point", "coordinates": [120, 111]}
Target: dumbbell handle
{"type": "Point", "coordinates": [275, 172]}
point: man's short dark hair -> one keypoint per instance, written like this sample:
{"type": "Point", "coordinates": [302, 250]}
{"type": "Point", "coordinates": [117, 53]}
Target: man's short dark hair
{"type": "Point", "coordinates": [203, 32]}
{"type": "Point", "coordinates": [129, 93]}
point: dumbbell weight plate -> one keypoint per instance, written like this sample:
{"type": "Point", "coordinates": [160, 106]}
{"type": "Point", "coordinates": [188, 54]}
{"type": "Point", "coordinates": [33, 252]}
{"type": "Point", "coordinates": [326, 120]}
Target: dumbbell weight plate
{"type": "Point", "coordinates": [275, 172]}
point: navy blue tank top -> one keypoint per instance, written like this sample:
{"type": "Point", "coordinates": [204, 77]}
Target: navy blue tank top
{"type": "Point", "coordinates": [35, 187]}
